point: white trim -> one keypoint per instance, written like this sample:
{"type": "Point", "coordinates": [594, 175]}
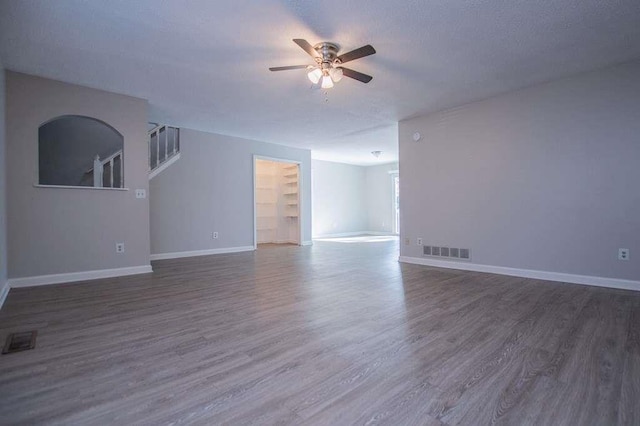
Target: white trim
{"type": "Point", "coordinates": [155, 172]}
{"type": "Point", "coordinates": [381, 233]}
{"type": "Point", "coordinates": [4, 293]}
{"type": "Point", "coordinates": [341, 235]}
{"type": "Point", "coordinates": [193, 253]}
{"type": "Point", "coordinates": [99, 188]}
{"type": "Point", "coordinates": [255, 208]}
{"type": "Point", "coordinates": [78, 276]}
{"type": "Point", "coordinates": [307, 243]}
{"type": "Point", "coordinates": [353, 234]}
{"type": "Point", "coordinates": [286, 242]}
{"type": "Point", "coordinates": [395, 215]}
{"type": "Point", "coordinates": [527, 273]}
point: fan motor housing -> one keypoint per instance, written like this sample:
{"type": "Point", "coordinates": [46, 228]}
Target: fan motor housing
{"type": "Point", "coordinates": [328, 52]}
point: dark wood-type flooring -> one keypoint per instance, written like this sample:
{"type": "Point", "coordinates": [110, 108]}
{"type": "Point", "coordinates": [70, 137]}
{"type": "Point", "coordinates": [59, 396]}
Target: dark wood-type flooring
{"type": "Point", "coordinates": [333, 334]}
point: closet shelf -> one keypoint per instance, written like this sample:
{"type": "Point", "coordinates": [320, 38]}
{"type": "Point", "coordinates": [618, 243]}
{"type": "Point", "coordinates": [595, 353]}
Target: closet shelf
{"type": "Point", "coordinates": [277, 191]}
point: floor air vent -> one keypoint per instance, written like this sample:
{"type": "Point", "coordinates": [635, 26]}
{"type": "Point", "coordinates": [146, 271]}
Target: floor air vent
{"type": "Point", "coordinates": [450, 252]}
{"type": "Point", "coordinates": [17, 342]}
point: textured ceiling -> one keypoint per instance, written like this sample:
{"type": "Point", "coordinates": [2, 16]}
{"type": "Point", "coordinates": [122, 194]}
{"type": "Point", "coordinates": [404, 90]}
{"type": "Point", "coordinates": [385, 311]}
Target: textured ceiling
{"type": "Point", "coordinates": [203, 64]}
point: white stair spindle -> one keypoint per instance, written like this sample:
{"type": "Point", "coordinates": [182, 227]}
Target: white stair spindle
{"type": "Point", "coordinates": [97, 172]}
{"type": "Point", "coordinates": [121, 179]}
{"type": "Point", "coordinates": [111, 174]}
{"type": "Point", "coordinates": [174, 140]}
{"type": "Point", "coordinates": [166, 142]}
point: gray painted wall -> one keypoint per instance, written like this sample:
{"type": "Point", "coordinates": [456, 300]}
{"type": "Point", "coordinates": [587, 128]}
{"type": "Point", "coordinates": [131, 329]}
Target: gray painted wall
{"type": "Point", "coordinates": [210, 188]}
{"type": "Point", "coordinates": [3, 178]}
{"type": "Point", "coordinates": [54, 230]}
{"type": "Point", "coordinates": [379, 195]}
{"type": "Point", "coordinates": [339, 198]}
{"type": "Point", "coordinates": [544, 178]}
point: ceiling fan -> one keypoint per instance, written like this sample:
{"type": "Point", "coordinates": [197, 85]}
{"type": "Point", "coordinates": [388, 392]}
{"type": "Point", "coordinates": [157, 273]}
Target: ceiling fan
{"type": "Point", "coordinates": [328, 66]}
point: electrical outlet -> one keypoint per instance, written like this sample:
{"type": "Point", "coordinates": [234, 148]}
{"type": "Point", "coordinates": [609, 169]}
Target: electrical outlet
{"type": "Point", "coordinates": [419, 241]}
{"type": "Point", "coordinates": [407, 241]}
{"type": "Point", "coordinates": [119, 247]}
{"type": "Point", "coordinates": [623, 254]}
{"type": "Point", "coordinates": [214, 235]}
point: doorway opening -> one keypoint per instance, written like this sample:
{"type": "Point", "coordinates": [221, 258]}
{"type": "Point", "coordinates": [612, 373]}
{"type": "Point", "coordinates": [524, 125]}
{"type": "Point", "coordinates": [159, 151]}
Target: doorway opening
{"type": "Point", "coordinates": [276, 202]}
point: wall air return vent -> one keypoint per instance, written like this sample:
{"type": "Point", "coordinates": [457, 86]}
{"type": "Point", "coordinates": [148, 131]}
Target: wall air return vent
{"type": "Point", "coordinates": [448, 252]}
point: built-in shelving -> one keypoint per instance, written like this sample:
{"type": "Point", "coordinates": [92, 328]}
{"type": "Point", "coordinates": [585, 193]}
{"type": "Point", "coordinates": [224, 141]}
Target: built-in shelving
{"type": "Point", "coordinates": [277, 202]}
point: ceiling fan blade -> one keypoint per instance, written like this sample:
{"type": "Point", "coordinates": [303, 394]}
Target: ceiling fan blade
{"type": "Point", "coordinates": [357, 54]}
{"type": "Point", "coordinates": [356, 75]}
{"type": "Point", "coordinates": [290, 67]}
{"type": "Point", "coordinates": [304, 44]}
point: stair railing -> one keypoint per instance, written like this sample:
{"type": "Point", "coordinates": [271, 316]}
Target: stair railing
{"type": "Point", "coordinates": [164, 143]}
{"type": "Point", "coordinates": [108, 163]}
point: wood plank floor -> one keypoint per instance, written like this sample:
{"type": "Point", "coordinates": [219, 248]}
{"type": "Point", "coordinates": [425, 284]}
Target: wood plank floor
{"type": "Point", "coordinates": [332, 334]}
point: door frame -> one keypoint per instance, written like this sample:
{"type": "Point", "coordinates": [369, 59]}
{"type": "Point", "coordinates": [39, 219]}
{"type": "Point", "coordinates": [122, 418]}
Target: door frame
{"type": "Point", "coordinates": [395, 224]}
{"type": "Point", "coordinates": [300, 198]}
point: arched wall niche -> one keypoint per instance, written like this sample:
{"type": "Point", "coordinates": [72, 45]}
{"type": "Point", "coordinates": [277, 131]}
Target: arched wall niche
{"type": "Point", "coordinates": [76, 150]}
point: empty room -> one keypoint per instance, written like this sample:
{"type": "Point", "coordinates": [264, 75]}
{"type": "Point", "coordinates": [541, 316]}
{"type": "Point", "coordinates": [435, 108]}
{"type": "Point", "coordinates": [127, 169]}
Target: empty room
{"type": "Point", "coordinates": [319, 213]}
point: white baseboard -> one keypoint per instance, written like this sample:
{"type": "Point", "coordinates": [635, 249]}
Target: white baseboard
{"type": "Point", "coordinates": [77, 276]}
{"type": "Point", "coordinates": [306, 243]}
{"type": "Point", "coordinates": [352, 234]}
{"type": "Point", "coordinates": [340, 235]}
{"type": "Point", "coordinates": [285, 242]}
{"type": "Point", "coordinates": [179, 254]}
{"type": "Point", "coordinates": [526, 273]}
{"type": "Point", "coordinates": [381, 233]}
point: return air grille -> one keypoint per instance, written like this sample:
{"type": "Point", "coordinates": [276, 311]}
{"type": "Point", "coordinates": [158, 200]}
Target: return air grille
{"type": "Point", "coordinates": [448, 252]}
{"type": "Point", "coordinates": [17, 342]}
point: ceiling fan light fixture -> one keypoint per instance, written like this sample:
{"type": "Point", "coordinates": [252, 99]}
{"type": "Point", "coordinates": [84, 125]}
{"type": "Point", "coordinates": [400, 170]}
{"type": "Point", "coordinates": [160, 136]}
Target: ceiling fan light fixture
{"type": "Point", "coordinates": [327, 68]}
{"type": "Point", "coordinates": [314, 75]}
{"type": "Point", "coordinates": [327, 83]}
{"type": "Point", "coordinates": [335, 74]}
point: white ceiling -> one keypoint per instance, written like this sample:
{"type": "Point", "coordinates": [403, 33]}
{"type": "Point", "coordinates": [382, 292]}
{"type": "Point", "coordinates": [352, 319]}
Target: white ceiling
{"type": "Point", "coordinates": [203, 64]}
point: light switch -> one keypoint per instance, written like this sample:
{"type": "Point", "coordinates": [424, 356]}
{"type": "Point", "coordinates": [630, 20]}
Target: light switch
{"type": "Point", "coordinates": [141, 193]}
